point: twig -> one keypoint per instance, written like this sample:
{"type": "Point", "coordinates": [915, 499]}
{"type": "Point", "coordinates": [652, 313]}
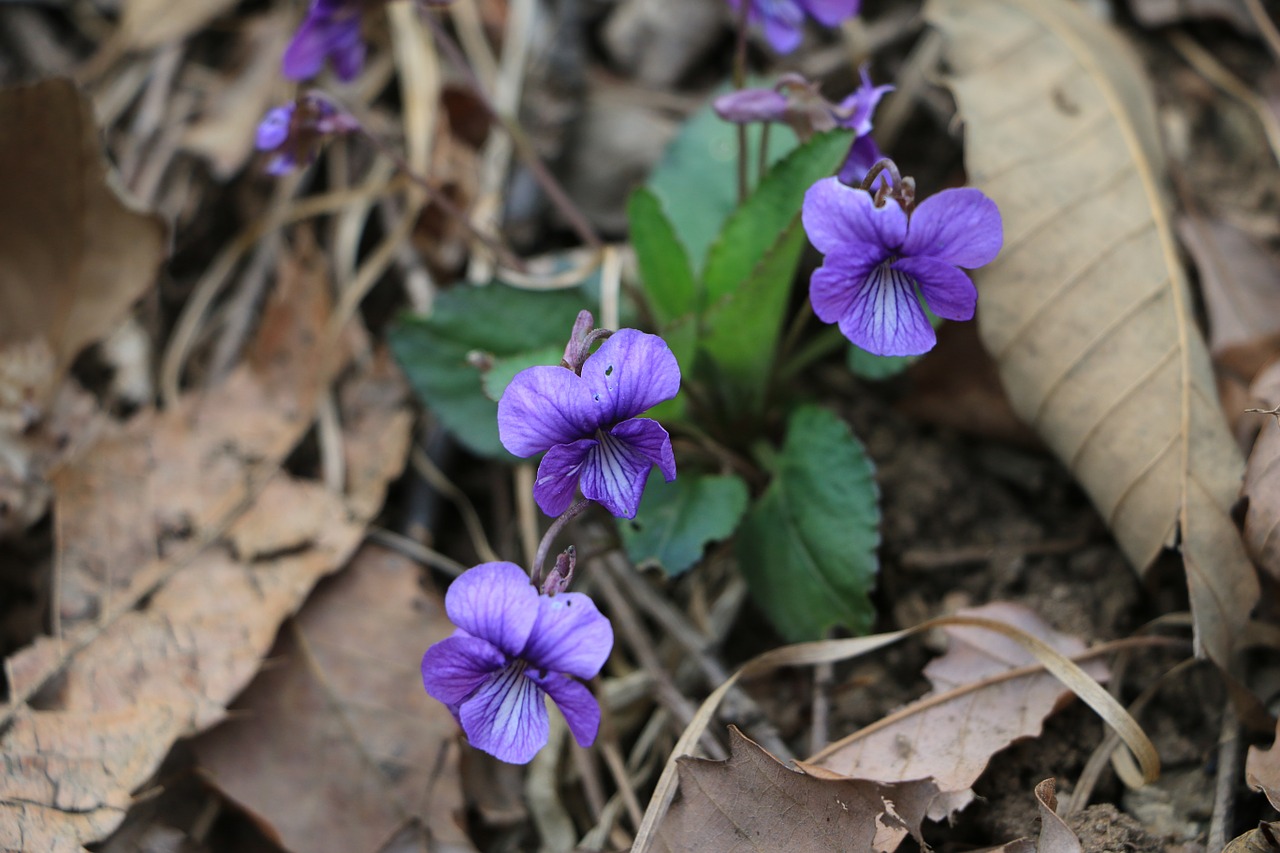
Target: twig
{"type": "Point", "coordinates": [526, 510]}
{"type": "Point", "coordinates": [1225, 781]}
{"type": "Point", "coordinates": [1266, 27]}
{"type": "Point", "coordinates": [416, 551]}
{"type": "Point", "coordinates": [470, 518]}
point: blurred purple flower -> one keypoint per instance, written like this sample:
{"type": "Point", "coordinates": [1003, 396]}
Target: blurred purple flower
{"type": "Point", "coordinates": [514, 647]}
{"type": "Point", "coordinates": [330, 31]}
{"type": "Point", "coordinates": [294, 132]}
{"type": "Point", "coordinates": [783, 20]}
{"type": "Point", "coordinates": [798, 103]}
{"type": "Point", "coordinates": [587, 423]}
{"type": "Point", "coordinates": [880, 261]}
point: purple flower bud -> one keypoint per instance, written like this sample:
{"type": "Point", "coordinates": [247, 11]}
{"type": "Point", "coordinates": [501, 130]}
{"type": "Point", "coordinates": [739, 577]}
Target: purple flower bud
{"type": "Point", "coordinates": [783, 20]}
{"type": "Point", "coordinates": [575, 351]}
{"type": "Point", "coordinates": [586, 422]}
{"type": "Point", "coordinates": [562, 575]}
{"type": "Point", "coordinates": [294, 132]}
{"type": "Point", "coordinates": [880, 262]}
{"type": "Point", "coordinates": [751, 105]}
{"type": "Point", "coordinates": [513, 647]}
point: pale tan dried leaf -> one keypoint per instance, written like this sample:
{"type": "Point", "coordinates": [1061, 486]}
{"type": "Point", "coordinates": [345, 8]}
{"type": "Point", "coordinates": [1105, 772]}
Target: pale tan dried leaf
{"type": "Point", "coordinates": [1240, 280]}
{"type": "Point", "coordinates": [1055, 835]}
{"type": "Point", "coordinates": [224, 133]}
{"type": "Point", "coordinates": [209, 617]}
{"type": "Point", "coordinates": [150, 23]}
{"type": "Point", "coordinates": [1262, 477]}
{"type": "Point", "coordinates": [973, 711]}
{"type": "Point", "coordinates": [1087, 310]}
{"type": "Point", "coordinates": [752, 802]}
{"type": "Point", "coordinates": [356, 748]}
{"type": "Point", "coordinates": [1262, 770]}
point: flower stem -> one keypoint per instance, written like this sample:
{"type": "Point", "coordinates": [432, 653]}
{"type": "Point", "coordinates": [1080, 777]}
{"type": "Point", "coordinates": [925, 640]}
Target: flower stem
{"type": "Point", "coordinates": [739, 82]}
{"type": "Point", "coordinates": [544, 547]}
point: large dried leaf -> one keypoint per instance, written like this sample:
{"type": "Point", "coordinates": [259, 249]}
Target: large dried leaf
{"type": "Point", "coordinates": [356, 747]}
{"type": "Point", "coordinates": [161, 647]}
{"type": "Point", "coordinates": [1262, 770]}
{"type": "Point", "coordinates": [752, 802]}
{"type": "Point", "coordinates": [75, 259]}
{"type": "Point", "coordinates": [1262, 479]}
{"type": "Point", "coordinates": [973, 711]}
{"type": "Point", "coordinates": [1086, 310]}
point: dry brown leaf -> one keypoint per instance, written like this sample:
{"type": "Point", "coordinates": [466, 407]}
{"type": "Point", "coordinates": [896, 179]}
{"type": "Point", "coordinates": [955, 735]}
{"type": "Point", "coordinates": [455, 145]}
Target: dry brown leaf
{"type": "Point", "coordinates": [1262, 477]}
{"type": "Point", "coordinates": [1240, 280]}
{"type": "Point", "coordinates": [753, 802]}
{"type": "Point", "coordinates": [973, 711]}
{"type": "Point", "coordinates": [134, 678]}
{"type": "Point", "coordinates": [356, 747]}
{"type": "Point", "coordinates": [75, 259]}
{"type": "Point", "coordinates": [146, 24]}
{"type": "Point", "coordinates": [1055, 835]}
{"type": "Point", "coordinates": [1264, 839]}
{"type": "Point", "coordinates": [1087, 310]}
{"type": "Point", "coordinates": [1262, 770]}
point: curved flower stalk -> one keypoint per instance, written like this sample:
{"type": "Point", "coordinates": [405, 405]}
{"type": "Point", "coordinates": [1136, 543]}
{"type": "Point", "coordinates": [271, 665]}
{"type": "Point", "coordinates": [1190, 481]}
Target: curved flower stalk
{"type": "Point", "coordinates": [882, 257]}
{"type": "Point", "coordinates": [513, 648]}
{"type": "Point", "coordinates": [783, 20]}
{"type": "Point", "coordinates": [586, 420]}
{"type": "Point", "coordinates": [798, 103]}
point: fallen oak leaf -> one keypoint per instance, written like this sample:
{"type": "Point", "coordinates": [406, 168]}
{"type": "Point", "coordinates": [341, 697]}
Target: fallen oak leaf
{"type": "Point", "coordinates": [974, 710]}
{"type": "Point", "coordinates": [356, 748]}
{"type": "Point", "coordinates": [1262, 770]}
{"type": "Point", "coordinates": [752, 802]}
{"type": "Point", "coordinates": [1087, 311]}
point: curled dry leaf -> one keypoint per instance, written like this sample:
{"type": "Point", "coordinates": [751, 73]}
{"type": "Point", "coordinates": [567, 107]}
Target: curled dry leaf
{"type": "Point", "coordinates": [133, 679]}
{"type": "Point", "coordinates": [753, 802]}
{"type": "Point", "coordinates": [1262, 477]}
{"type": "Point", "coordinates": [974, 710]}
{"type": "Point", "coordinates": [1262, 770]}
{"type": "Point", "coordinates": [76, 258]}
{"type": "Point", "coordinates": [1264, 839]}
{"type": "Point", "coordinates": [356, 748]}
{"type": "Point", "coordinates": [1087, 311]}
{"type": "Point", "coordinates": [1055, 835]}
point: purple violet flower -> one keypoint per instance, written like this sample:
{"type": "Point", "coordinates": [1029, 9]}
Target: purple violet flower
{"type": "Point", "coordinates": [880, 261]}
{"type": "Point", "coordinates": [514, 647]}
{"type": "Point", "coordinates": [587, 423]}
{"type": "Point", "coordinates": [294, 132]}
{"type": "Point", "coordinates": [330, 31]}
{"type": "Point", "coordinates": [783, 20]}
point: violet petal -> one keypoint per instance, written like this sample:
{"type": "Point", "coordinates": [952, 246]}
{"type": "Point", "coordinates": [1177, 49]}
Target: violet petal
{"type": "Point", "coordinates": [837, 217]}
{"type": "Point", "coordinates": [614, 475]}
{"type": "Point", "coordinates": [836, 284]}
{"type": "Point", "coordinates": [273, 130]}
{"type": "Point", "coordinates": [649, 438]}
{"type": "Point", "coordinates": [748, 105]}
{"type": "Point", "coordinates": [947, 291]}
{"type": "Point", "coordinates": [543, 407]}
{"type": "Point", "coordinates": [453, 668]}
{"type": "Point", "coordinates": [305, 55]}
{"type": "Point", "coordinates": [570, 636]}
{"type": "Point", "coordinates": [495, 602]}
{"type": "Point", "coordinates": [863, 154]}
{"type": "Point", "coordinates": [631, 372]}
{"type": "Point", "coordinates": [885, 318]}
{"type": "Point", "coordinates": [581, 710]}
{"type": "Point", "coordinates": [507, 716]}
{"type": "Point", "coordinates": [558, 474]}
{"type": "Point", "coordinates": [782, 30]}
{"type": "Point", "coordinates": [959, 226]}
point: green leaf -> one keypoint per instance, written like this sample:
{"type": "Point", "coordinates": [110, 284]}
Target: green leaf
{"type": "Point", "coordinates": [754, 227]}
{"type": "Point", "coordinates": [697, 178]}
{"type": "Point", "coordinates": [741, 331]}
{"type": "Point", "coordinates": [808, 546]}
{"type": "Point", "coordinates": [677, 520]}
{"type": "Point", "coordinates": [499, 375]}
{"type": "Point", "coordinates": [504, 323]}
{"type": "Point", "coordinates": [664, 262]}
